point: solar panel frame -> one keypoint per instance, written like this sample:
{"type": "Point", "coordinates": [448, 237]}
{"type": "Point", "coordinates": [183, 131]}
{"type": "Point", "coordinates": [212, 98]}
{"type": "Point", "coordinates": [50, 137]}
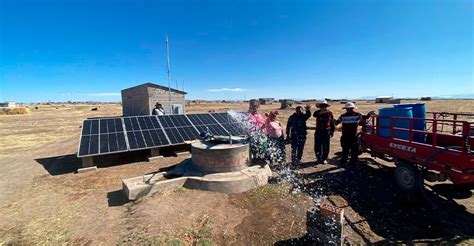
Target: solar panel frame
{"type": "Point", "coordinates": [91, 134]}
{"type": "Point", "coordinates": [178, 128]}
{"type": "Point", "coordinates": [205, 121]}
{"type": "Point", "coordinates": [121, 134]}
{"type": "Point", "coordinates": [228, 123]}
{"type": "Point", "coordinates": [149, 130]}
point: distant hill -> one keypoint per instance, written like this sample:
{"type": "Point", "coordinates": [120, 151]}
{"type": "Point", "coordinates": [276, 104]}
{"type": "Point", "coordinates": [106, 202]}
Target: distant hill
{"type": "Point", "coordinates": [456, 96]}
{"type": "Point", "coordinates": [452, 96]}
{"type": "Point", "coordinates": [366, 98]}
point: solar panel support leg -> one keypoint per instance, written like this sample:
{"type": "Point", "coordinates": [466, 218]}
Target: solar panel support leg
{"type": "Point", "coordinates": [87, 165]}
{"type": "Point", "coordinates": [87, 162]}
{"type": "Point", "coordinates": [154, 154]}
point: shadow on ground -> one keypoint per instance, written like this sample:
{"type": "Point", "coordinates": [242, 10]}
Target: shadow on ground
{"type": "Point", "coordinates": [116, 198]}
{"type": "Point", "coordinates": [58, 165]}
{"type": "Point", "coordinates": [391, 213]}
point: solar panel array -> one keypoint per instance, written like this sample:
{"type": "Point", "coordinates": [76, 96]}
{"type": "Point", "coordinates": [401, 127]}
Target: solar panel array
{"type": "Point", "coordinates": [102, 136]}
{"type": "Point", "coordinates": [113, 135]}
{"type": "Point", "coordinates": [144, 132]}
{"type": "Point", "coordinates": [229, 123]}
{"type": "Point", "coordinates": [178, 128]}
{"type": "Point", "coordinates": [205, 122]}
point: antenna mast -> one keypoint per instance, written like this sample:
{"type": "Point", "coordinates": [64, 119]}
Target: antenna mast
{"type": "Point", "coordinates": [169, 77]}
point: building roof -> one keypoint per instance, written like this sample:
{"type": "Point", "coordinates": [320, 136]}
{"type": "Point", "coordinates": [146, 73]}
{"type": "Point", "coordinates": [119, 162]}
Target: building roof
{"type": "Point", "coordinates": [149, 84]}
{"type": "Point", "coordinates": [386, 97]}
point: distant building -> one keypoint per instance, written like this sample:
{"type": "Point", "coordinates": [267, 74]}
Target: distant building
{"type": "Point", "coordinates": [264, 101]}
{"type": "Point", "coordinates": [395, 101]}
{"type": "Point", "coordinates": [286, 103]}
{"type": "Point", "coordinates": [141, 99]}
{"type": "Point", "coordinates": [425, 98]}
{"type": "Point", "coordinates": [383, 99]}
{"type": "Point", "coordinates": [8, 104]}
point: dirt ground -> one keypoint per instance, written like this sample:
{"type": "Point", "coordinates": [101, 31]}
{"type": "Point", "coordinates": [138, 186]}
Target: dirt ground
{"type": "Point", "coordinates": [43, 201]}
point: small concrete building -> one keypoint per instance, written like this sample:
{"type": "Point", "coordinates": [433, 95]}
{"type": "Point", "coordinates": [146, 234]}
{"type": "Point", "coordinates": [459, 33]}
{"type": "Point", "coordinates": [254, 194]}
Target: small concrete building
{"type": "Point", "coordinates": [141, 99]}
{"type": "Point", "coordinates": [264, 101]}
{"type": "Point", "coordinates": [383, 99]}
{"type": "Point", "coordinates": [8, 104]}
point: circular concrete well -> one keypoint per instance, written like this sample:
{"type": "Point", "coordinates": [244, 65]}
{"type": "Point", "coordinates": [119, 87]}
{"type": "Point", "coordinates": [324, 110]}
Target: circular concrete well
{"type": "Point", "coordinates": [220, 157]}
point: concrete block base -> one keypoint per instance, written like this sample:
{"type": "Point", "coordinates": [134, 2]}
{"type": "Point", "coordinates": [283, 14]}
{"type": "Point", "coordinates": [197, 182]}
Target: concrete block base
{"type": "Point", "coordinates": [185, 175]}
{"type": "Point", "coordinates": [181, 153]}
{"type": "Point", "coordinates": [154, 158]}
{"type": "Point", "coordinates": [86, 169]}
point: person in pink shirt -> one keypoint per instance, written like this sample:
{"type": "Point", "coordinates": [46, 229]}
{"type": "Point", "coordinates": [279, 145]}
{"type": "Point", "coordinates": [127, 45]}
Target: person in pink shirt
{"type": "Point", "coordinates": [254, 115]}
{"type": "Point", "coordinates": [274, 131]}
{"type": "Point", "coordinates": [257, 138]}
{"type": "Point", "coordinates": [272, 127]}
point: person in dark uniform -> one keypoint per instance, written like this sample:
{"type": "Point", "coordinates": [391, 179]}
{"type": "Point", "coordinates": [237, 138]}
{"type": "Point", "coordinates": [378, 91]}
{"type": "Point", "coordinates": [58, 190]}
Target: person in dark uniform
{"type": "Point", "coordinates": [296, 132]}
{"type": "Point", "coordinates": [350, 120]}
{"type": "Point", "coordinates": [324, 131]}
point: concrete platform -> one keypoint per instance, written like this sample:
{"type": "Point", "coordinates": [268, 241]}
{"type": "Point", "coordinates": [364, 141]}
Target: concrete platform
{"type": "Point", "coordinates": [187, 176]}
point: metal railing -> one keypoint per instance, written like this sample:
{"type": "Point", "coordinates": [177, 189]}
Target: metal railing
{"type": "Point", "coordinates": [434, 132]}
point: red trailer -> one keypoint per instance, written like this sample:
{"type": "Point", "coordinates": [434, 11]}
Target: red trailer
{"type": "Point", "coordinates": [446, 152]}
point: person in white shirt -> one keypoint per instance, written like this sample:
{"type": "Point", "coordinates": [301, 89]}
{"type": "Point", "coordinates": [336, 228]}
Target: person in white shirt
{"type": "Point", "coordinates": [158, 110]}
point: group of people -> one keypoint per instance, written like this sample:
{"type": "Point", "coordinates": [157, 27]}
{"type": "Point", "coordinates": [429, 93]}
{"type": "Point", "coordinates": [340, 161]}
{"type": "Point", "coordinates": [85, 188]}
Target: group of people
{"type": "Point", "coordinates": [267, 137]}
{"type": "Point", "coordinates": [296, 132]}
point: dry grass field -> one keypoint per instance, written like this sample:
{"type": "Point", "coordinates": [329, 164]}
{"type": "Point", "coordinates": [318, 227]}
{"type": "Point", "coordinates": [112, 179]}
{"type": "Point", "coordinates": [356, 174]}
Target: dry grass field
{"type": "Point", "coordinates": [42, 200]}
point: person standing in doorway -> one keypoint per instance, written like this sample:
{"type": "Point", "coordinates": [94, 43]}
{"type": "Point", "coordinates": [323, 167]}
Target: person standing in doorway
{"type": "Point", "coordinates": [158, 110]}
{"type": "Point", "coordinates": [296, 132]}
{"type": "Point", "coordinates": [324, 131]}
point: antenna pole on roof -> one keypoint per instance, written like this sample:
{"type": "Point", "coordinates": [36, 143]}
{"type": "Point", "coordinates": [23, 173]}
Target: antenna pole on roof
{"type": "Point", "coordinates": [169, 77]}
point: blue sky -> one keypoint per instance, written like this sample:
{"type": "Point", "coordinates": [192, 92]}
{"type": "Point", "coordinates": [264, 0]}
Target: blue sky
{"type": "Point", "coordinates": [90, 50]}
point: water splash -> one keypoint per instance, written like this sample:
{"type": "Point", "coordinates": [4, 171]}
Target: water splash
{"type": "Point", "coordinates": [265, 148]}
{"type": "Point", "coordinates": [273, 151]}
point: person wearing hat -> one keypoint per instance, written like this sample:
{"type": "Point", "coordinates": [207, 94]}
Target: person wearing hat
{"type": "Point", "coordinates": [274, 131]}
{"type": "Point", "coordinates": [158, 110]}
{"type": "Point", "coordinates": [324, 131]}
{"type": "Point", "coordinates": [296, 132]}
{"type": "Point", "coordinates": [350, 120]}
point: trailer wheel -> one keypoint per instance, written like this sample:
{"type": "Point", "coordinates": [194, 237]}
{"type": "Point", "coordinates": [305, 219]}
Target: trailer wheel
{"type": "Point", "coordinates": [407, 177]}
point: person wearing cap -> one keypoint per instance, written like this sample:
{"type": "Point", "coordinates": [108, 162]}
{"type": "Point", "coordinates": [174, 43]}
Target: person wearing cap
{"type": "Point", "coordinates": [350, 120]}
{"type": "Point", "coordinates": [324, 131]}
{"type": "Point", "coordinates": [296, 132]}
{"type": "Point", "coordinates": [158, 110]}
{"type": "Point", "coordinates": [274, 131]}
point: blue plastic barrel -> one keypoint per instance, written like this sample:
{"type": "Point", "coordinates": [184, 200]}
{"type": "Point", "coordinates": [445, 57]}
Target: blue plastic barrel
{"type": "Point", "coordinates": [384, 121]}
{"type": "Point", "coordinates": [419, 111]}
